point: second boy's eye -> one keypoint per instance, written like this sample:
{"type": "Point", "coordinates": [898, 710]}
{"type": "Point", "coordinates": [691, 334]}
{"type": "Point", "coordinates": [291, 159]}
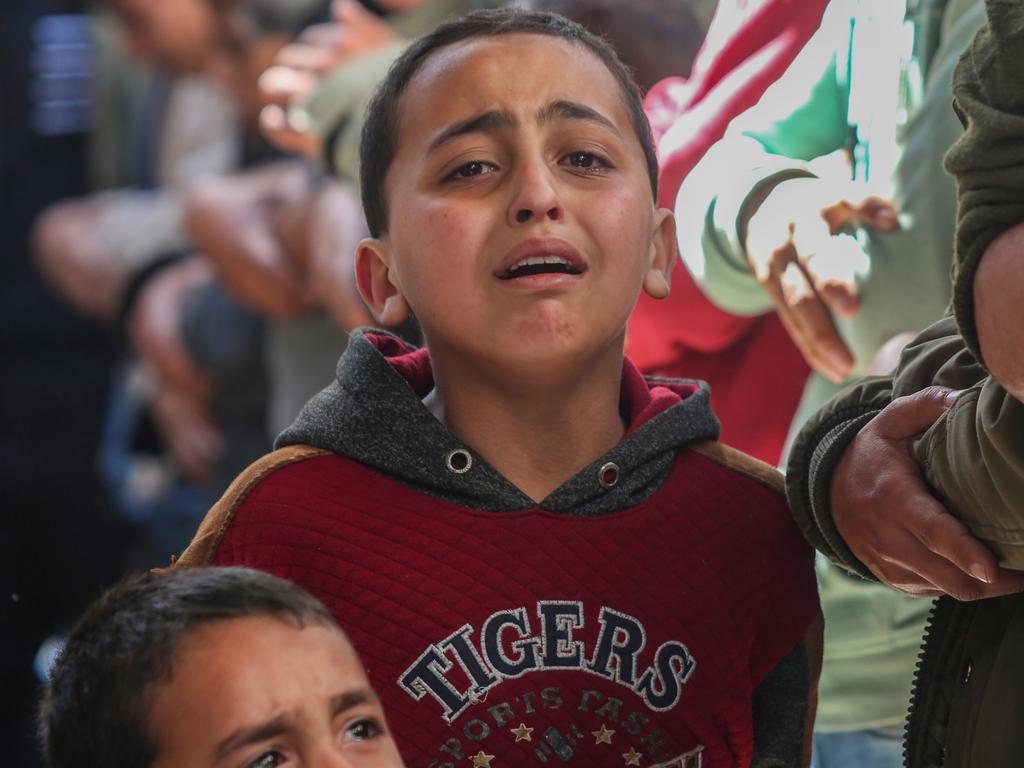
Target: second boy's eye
{"type": "Point", "coordinates": [469, 170]}
{"type": "Point", "coordinates": [269, 759]}
{"type": "Point", "coordinates": [364, 730]}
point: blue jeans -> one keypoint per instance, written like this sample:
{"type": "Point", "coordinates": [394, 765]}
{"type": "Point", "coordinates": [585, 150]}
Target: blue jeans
{"type": "Point", "coordinates": [873, 748]}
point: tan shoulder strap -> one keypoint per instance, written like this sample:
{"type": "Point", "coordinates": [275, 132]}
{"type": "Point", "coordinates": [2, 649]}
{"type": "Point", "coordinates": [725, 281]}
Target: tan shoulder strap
{"type": "Point", "coordinates": [211, 530]}
{"type": "Point", "coordinates": [737, 461]}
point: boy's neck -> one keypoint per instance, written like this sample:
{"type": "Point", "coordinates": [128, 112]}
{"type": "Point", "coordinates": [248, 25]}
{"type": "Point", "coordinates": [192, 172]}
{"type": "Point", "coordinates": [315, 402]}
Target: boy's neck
{"type": "Point", "coordinates": [536, 430]}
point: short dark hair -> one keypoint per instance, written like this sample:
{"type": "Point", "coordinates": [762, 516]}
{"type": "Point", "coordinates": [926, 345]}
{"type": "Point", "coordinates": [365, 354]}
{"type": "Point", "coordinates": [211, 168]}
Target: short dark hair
{"type": "Point", "coordinates": [95, 708]}
{"type": "Point", "coordinates": [380, 131]}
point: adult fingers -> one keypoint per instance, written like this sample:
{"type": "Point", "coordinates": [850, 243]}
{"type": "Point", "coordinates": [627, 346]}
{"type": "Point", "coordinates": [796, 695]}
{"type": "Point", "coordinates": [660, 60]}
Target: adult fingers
{"type": "Point", "coordinates": [910, 415]}
{"type": "Point", "coordinates": [832, 263]}
{"type": "Point", "coordinates": [878, 212]}
{"type": "Point", "coordinates": [906, 560]}
{"type": "Point", "coordinates": [902, 579]}
{"type": "Point", "coordinates": [812, 325]}
{"type": "Point", "coordinates": [323, 35]}
{"type": "Point", "coordinates": [872, 211]}
{"type": "Point", "coordinates": [932, 574]}
{"type": "Point", "coordinates": [841, 297]}
{"type": "Point", "coordinates": [948, 538]}
{"type": "Point", "coordinates": [304, 57]}
{"type": "Point", "coordinates": [279, 85]}
{"type": "Point", "coordinates": [278, 130]}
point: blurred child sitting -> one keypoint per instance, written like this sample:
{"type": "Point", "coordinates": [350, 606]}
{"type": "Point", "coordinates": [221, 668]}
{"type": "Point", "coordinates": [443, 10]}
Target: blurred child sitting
{"type": "Point", "coordinates": [541, 554]}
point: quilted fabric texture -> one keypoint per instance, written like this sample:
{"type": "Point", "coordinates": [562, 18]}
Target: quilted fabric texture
{"type": "Point", "coordinates": [532, 638]}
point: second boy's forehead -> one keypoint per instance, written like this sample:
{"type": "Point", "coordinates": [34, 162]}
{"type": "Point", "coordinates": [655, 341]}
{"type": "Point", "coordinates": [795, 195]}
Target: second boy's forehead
{"type": "Point", "coordinates": [516, 78]}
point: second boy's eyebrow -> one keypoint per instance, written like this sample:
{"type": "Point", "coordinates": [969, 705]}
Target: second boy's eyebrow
{"type": "Point", "coordinates": [282, 723]}
{"type": "Point", "coordinates": [496, 119]}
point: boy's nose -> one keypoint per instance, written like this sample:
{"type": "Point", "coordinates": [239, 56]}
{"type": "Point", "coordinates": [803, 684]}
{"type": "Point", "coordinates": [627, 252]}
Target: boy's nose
{"type": "Point", "coordinates": [536, 197]}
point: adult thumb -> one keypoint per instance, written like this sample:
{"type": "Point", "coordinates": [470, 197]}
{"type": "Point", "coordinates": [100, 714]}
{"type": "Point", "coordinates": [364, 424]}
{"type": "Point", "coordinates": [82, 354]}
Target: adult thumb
{"type": "Point", "coordinates": [911, 415]}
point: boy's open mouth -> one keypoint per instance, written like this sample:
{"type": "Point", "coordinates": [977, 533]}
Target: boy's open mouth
{"type": "Point", "coordinates": [541, 265]}
{"type": "Point", "coordinates": [540, 256]}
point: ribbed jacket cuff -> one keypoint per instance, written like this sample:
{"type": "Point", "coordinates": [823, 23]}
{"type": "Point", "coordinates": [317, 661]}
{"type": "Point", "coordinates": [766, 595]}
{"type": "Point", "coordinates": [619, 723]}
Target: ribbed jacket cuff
{"type": "Point", "coordinates": [822, 466]}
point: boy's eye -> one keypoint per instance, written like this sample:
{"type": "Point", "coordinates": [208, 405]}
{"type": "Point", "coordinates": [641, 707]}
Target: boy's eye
{"type": "Point", "coordinates": [268, 759]}
{"type": "Point", "coordinates": [469, 170]}
{"type": "Point", "coordinates": [585, 161]}
{"type": "Point", "coordinates": [364, 730]}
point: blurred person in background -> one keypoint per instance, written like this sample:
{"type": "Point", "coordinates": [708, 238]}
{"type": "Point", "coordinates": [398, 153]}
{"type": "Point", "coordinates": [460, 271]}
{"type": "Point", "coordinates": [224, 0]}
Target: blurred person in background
{"type": "Point", "coordinates": [100, 252]}
{"type": "Point", "coordinates": [203, 349]}
{"type": "Point", "coordinates": [91, 248]}
{"type": "Point", "coordinates": [790, 212]}
{"type": "Point", "coordinates": [748, 47]}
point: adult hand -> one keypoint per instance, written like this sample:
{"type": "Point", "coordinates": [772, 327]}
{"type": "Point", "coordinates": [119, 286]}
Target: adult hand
{"type": "Point", "coordinates": [68, 253]}
{"type": "Point", "coordinates": [154, 325]}
{"type": "Point", "coordinates": [807, 266]}
{"type": "Point", "coordinates": [182, 420]}
{"type": "Point", "coordinates": [234, 221]}
{"type": "Point", "coordinates": [181, 389]}
{"type": "Point", "coordinates": [300, 66]}
{"type": "Point", "coordinates": [892, 523]}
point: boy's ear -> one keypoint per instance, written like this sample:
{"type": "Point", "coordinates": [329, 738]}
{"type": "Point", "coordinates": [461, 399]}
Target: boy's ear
{"type": "Point", "coordinates": [378, 284]}
{"type": "Point", "coordinates": [663, 255]}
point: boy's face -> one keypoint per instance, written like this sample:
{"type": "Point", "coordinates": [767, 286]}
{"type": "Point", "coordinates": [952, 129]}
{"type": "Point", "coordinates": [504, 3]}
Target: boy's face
{"type": "Point", "coordinates": [514, 150]}
{"type": "Point", "coordinates": [260, 692]}
{"type": "Point", "coordinates": [178, 36]}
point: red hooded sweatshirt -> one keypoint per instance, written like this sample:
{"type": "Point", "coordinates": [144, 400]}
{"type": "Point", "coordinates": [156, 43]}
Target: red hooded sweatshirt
{"type": "Point", "coordinates": [651, 611]}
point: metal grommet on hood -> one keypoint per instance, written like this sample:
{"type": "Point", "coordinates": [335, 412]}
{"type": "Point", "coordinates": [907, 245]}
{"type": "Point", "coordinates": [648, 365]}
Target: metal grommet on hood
{"type": "Point", "coordinates": [459, 461]}
{"type": "Point", "coordinates": [608, 475]}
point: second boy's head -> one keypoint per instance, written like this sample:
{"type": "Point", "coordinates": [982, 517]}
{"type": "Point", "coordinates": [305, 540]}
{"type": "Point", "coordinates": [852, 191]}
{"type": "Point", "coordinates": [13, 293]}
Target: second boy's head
{"type": "Point", "coordinates": [211, 667]}
{"type": "Point", "coordinates": [509, 179]}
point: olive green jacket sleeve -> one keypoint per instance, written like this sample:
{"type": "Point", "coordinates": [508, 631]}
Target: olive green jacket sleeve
{"type": "Point", "coordinates": [973, 456]}
{"type": "Point", "coordinates": [988, 160]}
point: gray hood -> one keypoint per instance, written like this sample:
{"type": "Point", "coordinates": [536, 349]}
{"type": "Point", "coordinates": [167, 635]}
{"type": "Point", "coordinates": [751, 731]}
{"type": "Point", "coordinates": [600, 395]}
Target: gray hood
{"type": "Point", "coordinates": [373, 413]}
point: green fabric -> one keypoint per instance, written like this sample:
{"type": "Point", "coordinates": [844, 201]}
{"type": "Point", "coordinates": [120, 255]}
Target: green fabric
{"type": "Point", "coordinates": [988, 160]}
{"type": "Point", "coordinates": [872, 633]}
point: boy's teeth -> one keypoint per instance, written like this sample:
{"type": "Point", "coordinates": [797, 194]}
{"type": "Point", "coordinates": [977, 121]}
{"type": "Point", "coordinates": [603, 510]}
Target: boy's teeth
{"type": "Point", "coordinates": [540, 260]}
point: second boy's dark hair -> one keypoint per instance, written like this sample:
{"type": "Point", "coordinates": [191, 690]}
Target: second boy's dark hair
{"type": "Point", "coordinates": [95, 710]}
{"type": "Point", "coordinates": [380, 131]}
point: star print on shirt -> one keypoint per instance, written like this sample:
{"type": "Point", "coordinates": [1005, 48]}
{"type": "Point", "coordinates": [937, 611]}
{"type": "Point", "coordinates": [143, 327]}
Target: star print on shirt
{"type": "Point", "coordinates": [632, 757]}
{"type": "Point", "coordinates": [483, 760]}
{"type": "Point", "coordinates": [522, 733]}
{"type": "Point", "coordinates": [603, 736]}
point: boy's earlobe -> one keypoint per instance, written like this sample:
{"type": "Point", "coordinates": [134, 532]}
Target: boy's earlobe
{"type": "Point", "coordinates": [664, 254]}
{"type": "Point", "coordinates": [377, 283]}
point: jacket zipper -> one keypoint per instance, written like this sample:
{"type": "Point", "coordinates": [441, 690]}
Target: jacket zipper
{"type": "Point", "coordinates": [935, 681]}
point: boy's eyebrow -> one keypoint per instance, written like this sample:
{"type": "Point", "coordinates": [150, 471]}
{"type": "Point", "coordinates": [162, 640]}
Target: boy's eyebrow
{"type": "Point", "coordinates": [573, 110]}
{"type": "Point", "coordinates": [485, 122]}
{"type": "Point", "coordinates": [351, 699]}
{"type": "Point", "coordinates": [496, 119]}
{"type": "Point", "coordinates": [245, 736]}
{"type": "Point", "coordinates": [282, 723]}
